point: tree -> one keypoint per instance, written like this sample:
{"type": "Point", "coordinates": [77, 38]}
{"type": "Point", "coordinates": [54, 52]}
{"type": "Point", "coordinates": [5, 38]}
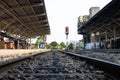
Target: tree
{"type": "Point", "coordinates": [81, 44]}
{"type": "Point", "coordinates": [58, 46]}
{"type": "Point", "coordinates": [62, 44]}
{"type": "Point", "coordinates": [40, 39]}
{"type": "Point", "coordinates": [70, 46]}
{"type": "Point", "coordinates": [48, 46]}
{"type": "Point", "coordinates": [53, 44]}
{"type": "Point", "coordinates": [37, 42]}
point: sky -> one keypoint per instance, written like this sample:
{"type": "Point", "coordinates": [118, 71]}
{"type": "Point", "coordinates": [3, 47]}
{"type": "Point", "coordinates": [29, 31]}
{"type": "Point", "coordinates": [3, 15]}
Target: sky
{"type": "Point", "coordinates": [62, 13]}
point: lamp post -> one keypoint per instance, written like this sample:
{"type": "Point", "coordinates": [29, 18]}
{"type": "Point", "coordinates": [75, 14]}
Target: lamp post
{"type": "Point", "coordinates": [66, 32]}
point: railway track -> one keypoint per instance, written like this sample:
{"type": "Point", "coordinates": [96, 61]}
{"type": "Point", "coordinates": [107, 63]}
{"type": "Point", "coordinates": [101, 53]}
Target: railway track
{"type": "Point", "coordinates": [56, 65]}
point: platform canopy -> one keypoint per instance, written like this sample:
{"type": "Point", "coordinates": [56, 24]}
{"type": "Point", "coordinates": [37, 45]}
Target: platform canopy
{"type": "Point", "coordinates": [26, 18]}
{"type": "Point", "coordinates": [106, 20]}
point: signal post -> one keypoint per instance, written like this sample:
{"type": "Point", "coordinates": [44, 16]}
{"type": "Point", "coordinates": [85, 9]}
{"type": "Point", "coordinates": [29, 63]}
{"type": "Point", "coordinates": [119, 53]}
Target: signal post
{"type": "Point", "coordinates": [66, 32]}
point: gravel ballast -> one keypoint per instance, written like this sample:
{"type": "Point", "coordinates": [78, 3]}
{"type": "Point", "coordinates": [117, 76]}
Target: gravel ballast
{"type": "Point", "coordinates": [55, 66]}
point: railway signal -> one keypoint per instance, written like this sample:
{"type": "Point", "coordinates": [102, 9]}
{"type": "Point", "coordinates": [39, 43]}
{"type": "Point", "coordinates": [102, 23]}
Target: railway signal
{"type": "Point", "coordinates": [66, 32]}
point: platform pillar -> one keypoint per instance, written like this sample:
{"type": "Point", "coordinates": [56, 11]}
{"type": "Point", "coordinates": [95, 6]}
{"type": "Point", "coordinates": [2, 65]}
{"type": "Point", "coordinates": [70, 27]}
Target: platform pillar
{"type": "Point", "coordinates": [92, 37]}
{"type": "Point", "coordinates": [106, 38]}
{"type": "Point", "coordinates": [114, 33]}
{"type": "Point", "coordinates": [18, 45]}
{"type": "Point", "coordinates": [30, 43]}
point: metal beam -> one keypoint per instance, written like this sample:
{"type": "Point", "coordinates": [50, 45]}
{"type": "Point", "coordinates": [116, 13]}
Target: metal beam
{"type": "Point", "coordinates": [45, 25]}
{"type": "Point", "coordinates": [1, 13]}
{"type": "Point", "coordinates": [25, 34]}
{"type": "Point", "coordinates": [16, 29]}
{"type": "Point", "coordinates": [25, 6]}
{"type": "Point", "coordinates": [8, 25]}
{"type": "Point", "coordinates": [22, 7]}
{"type": "Point", "coordinates": [33, 22]}
{"type": "Point", "coordinates": [10, 19]}
{"type": "Point", "coordinates": [28, 16]}
{"type": "Point", "coordinates": [105, 18]}
{"type": "Point", "coordinates": [40, 26]}
{"type": "Point", "coordinates": [34, 12]}
{"type": "Point", "coordinates": [16, 17]}
{"type": "Point", "coordinates": [34, 15]}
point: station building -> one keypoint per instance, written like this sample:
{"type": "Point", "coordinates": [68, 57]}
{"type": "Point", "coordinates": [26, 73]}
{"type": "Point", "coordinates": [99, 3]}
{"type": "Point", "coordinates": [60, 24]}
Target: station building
{"type": "Point", "coordinates": [102, 30]}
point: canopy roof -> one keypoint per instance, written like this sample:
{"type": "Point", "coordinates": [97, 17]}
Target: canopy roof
{"type": "Point", "coordinates": [26, 18]}
{"type": "Point", "coordinates": [105, 20]}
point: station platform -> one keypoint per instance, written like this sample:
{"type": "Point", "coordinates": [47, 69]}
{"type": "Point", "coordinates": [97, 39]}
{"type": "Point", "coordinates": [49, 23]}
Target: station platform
{"type": "Point", "coordinates": [6, 54]}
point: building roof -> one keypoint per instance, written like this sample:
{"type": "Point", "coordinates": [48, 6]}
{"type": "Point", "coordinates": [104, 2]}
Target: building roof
{"type": "Point", "coordinates": [27, 18]}
{"type": "Point", "coordinates": [106, 19]}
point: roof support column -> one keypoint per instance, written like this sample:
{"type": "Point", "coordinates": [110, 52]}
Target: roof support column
{"type": "Point", "coordinates": [106, 37]}
{"type": "Point", "coordinates": [100, 37]}
{"type": "Point", "coordinates": [92, 37]}
{"type": "Point", "coordinates": [93, 40]}
{"type": "Point", "coordinates": [110, 44]}
{"type": "Point", "coordinates": [18, 44]}
{"type": "Point", "coordinates": [114, 33]}
{"type": "Point", "coordinates": [30, 43]}
{"type": "Point", "coordinates": [100, 42]}
{"type": "Point", "coordinates": [97, 40]}
{"type": "Point", "coordinates": [86, 39]}
{"type": "Point", "coordinates": [97, 37]}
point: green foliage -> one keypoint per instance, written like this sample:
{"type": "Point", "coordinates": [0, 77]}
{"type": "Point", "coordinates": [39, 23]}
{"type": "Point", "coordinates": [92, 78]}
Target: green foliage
{"type": "Point", "coordinates": [58, 46]}
{"type": "Point", "coordinates": [54, 44]}
{"type": "Point", "coordinates": [48, 46]}
{"type": "Point", "coordinates": [81, 44]}
{"type": "Point", "coordinates": [62, 44]}
{"type": "Point", "coordinates": [70, 46]}
{"type": "Point", "coordinates": [37, 43]}
{"type": "Point", "coordinates": [39, 40]}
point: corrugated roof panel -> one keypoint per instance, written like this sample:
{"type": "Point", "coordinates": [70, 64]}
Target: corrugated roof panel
{"type": "Point", "coordinates": [30, 14]}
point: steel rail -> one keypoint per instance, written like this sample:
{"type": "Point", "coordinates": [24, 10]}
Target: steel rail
{"type": "Point", "coordinates": [107, 66]}
{"type": "Point", "coordinates": [7, 65]}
